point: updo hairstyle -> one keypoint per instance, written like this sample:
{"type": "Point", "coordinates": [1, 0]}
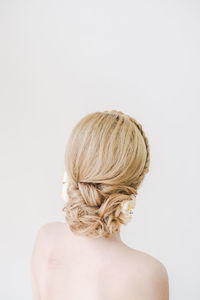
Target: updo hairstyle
{"type": "Point", "coordinates": [106, 159]}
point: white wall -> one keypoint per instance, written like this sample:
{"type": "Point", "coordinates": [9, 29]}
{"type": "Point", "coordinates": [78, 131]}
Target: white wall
{"type": "Point", "coordinates": [63, 59]}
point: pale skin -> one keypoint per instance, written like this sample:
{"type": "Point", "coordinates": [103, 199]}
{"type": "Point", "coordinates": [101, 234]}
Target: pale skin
{"type": "Point", "coordinates": [65, 266]}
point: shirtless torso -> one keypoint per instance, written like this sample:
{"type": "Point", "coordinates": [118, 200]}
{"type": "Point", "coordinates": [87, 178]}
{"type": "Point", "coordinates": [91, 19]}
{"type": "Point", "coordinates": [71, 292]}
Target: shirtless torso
{"type": "Point", "coordinates": [68, 267]}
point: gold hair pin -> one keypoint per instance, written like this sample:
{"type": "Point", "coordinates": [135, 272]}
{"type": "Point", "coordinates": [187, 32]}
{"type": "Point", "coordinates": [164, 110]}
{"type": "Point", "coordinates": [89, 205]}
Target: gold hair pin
{"type": "Point", "coordinates": [127, 207]}
{"type": "Point", "coordinates": [63, 193]}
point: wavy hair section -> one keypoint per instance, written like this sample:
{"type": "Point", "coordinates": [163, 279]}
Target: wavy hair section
{"type": "Point", "coordinates": [106, 159]}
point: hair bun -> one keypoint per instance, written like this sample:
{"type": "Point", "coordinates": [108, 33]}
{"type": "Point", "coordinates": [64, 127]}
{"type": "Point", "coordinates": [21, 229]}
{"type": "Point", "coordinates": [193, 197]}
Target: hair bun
{"type": "Point", "coordinates": [87, 213]}
{"type": "Point", "coordinates": [106, 159]}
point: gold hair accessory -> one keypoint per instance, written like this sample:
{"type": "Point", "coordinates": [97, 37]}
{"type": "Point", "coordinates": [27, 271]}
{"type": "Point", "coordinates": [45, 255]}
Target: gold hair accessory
{"type": "Point", "coordinates": [127, 208]}
{"type": "Point", "coordinates": [63, 193]}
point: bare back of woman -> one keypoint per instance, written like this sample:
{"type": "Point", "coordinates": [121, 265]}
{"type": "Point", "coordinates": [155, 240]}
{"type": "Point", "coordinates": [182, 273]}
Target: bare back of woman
{"type": "Point", "coordinates": [70, 267]}
{"type": "Point", "coordinates": [106, 159]}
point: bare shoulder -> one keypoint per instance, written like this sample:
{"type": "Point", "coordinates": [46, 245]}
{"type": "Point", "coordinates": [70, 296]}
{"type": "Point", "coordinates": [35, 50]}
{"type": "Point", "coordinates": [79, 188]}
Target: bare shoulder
{"type": "Point", "coordinates": [51, 229]}
{"type": "Point", "coordinates": [45, 251]}
{"type": "Point", "coordinates": [157, 283]}
{"type": "Point", "coordinates": [47, 238]}
{"type": "Point", "coordinates": [152, 276]}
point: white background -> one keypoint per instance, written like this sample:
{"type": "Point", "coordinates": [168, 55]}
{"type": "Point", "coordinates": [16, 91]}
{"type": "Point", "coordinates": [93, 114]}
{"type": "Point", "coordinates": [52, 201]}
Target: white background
{"type": "Point", "coordinates": [61, 60]}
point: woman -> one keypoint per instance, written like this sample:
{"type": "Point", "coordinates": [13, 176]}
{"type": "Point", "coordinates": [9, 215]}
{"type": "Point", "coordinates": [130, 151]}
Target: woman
{"type": "Point", "coordinates": [106, 159]}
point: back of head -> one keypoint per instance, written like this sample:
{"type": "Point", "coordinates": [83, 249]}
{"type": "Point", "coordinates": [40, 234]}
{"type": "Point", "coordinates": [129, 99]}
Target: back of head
{"type": "Point", "coordinates": [106, 159]}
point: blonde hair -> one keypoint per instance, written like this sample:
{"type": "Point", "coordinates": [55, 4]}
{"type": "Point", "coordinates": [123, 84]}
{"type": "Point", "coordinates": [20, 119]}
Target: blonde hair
{"type": "Point", "coordinates": [106, 159]}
